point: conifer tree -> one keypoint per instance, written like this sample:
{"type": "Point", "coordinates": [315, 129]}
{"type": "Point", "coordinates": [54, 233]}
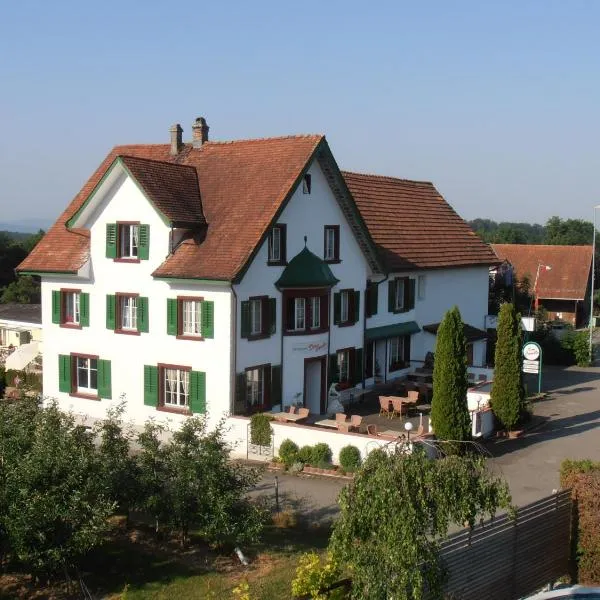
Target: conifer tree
{"type": "Point", "coordinates": [508, 395]}
{"type": "Point", "coordinates": [449, 409]}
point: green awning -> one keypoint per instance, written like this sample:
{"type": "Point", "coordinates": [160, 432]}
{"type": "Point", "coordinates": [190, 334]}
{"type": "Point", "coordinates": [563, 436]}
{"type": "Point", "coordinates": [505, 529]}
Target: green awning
{"type": "Point", "coordinates": [388, 331]}
{"type": "Point", "coordinates": [306, 270]}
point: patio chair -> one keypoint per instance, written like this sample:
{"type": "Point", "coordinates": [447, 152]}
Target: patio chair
{"type": "Point", "coordinates": [340, 417]}
{"type": "Point", "coordinates": [303, 413]}
{"type": "Point", "coordinates": [355, 422]}
{"type": "Point", "coordinates": [397, 407]}
{"type": "Point", "coordinates": [291, 409]}
{"type": "Point", "coordinates": [384, 406]}
{"type": "Point", "coordinates": [345, 427]}
{"type": "Point", "coordinates": [413, 396]}
{"type": "Point", "coordinates": [372, 429]}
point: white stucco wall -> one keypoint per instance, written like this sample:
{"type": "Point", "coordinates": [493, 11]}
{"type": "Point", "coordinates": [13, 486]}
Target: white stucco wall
{"type": "Point", "coordinates": [304, 215]}
{"type": "Point", "coordinates": [129, 353]}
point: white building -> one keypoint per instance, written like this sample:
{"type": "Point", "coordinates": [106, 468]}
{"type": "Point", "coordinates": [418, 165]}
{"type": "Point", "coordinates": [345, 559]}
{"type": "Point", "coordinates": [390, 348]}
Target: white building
{"type": "Point", "coordinates": [230, 277]}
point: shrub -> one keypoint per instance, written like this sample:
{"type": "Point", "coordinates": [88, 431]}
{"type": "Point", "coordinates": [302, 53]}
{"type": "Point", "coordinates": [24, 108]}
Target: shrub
{"type": "Point", "coordinates": [285, 519]}
{"type": "Point", "coordinates": [321, 453]}
{"type": "Point", "coordinates": [260, 429]}
{"type": "Point", "coordinates": [312, 577]}
{"type": "Point", "coordinates": [350, 458]}
{"type": "Point", "coordinates": [305, 455]}
{"type": "Point", "coordinates": [581, 348]}
{"type": "Point", "coordinates": [296, 468]}
{"type": "Point", "coordinates": [288, 452]}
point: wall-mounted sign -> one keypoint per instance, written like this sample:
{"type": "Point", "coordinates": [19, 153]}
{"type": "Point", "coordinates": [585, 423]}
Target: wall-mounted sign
{"type": "Point", "coordinates": [311, 347]}
{"type": "Point", "coordinates": [532, 361]}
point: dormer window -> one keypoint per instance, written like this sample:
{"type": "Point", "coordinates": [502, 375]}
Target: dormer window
{"type": "Point", "coordinates": [127, 241]}
{"type": "Point", "coordinates": [307, 184]}
{"type": "Point", "coordinates": [277, 243]}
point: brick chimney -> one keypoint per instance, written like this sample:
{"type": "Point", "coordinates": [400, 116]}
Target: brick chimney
{"type": "Point", "coordinates": [176, 139]}
{"type": "Point", "coordinates": [199, 132]}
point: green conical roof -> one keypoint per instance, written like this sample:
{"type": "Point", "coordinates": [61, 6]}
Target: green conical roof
{"type": "Point", "coordinates": [306, 270]}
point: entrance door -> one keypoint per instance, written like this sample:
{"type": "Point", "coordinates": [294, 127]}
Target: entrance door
{"type": "Point", "coordinates": [314, 384]}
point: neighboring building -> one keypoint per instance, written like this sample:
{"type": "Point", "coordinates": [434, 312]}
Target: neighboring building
{"type": "Point", "coordinates": [559, 277]}
{"type": "Point", "coordinates": [20, 334]}
{"type": "Point", "coordinates": [230, 277]}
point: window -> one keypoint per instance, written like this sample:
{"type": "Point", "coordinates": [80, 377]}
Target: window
{"type": "Point", "coordinates": [70, 308]}
{"type": "Point", "coordinates": [86, 375]}
{"type": "Point", "coordinates": [127, 313]}
{"type": "Point", "coordinates": [277, 243]}
{"type": "Point", "coordinates": [127, 241]}
{"type": "Point", "coordinates": [307, 184]}
{"type": "Point", "coordinates": [191, 317]}
{"type": "Point", "coordinates": [255, 388]}
{"type": "Point", "coordinates": [331, 251]}
{"type": "Point", "coordinates": [315, 312]}
{"type": "Point", "coordinates": [346, 307]}
{"type": "Point", "coordinates": [258, 317]}
{"type": "Point", "coordinates": [401, 294]}
{"type": "Point", "coordinates": [345, 366]}
{"type": "Point", "coordinates": [176, 390]}
{"type": "Point", "coordinates": [421, 287]}
{"type": "Point", "coordinates": [399, 352]}
{"type": "Point", "coordinates": [305, 311]}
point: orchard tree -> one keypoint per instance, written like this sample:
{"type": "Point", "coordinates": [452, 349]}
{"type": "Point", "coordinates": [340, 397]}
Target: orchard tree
{"type": "Point", "coordinates": [396, 513]}
{"type": "Point", "coordinates": [508, 395]}
{"type": "Point", "coordinates": [449, 409]}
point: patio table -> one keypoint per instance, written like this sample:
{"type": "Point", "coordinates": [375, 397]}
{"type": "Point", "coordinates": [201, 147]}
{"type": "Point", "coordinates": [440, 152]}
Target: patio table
{"type": "Point", "coordinates": [331, 423]}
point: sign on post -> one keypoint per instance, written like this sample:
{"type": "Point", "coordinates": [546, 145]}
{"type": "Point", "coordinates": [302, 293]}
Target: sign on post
{"type": "Point", "coordinates": [532, 361]}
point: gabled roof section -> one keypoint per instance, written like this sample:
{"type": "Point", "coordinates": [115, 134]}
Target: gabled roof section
{"type": "Point", "coordinates": [306, 270]}
{"type": "Point", "coordinates": [570, 268]}
{"type": "Point", "coordinates": [413, 226]}
{"type": "Point", "coordinates": [64, 250]}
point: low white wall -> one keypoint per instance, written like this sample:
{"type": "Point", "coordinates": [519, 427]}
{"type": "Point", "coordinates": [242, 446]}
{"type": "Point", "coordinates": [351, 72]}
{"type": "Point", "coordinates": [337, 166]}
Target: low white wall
{"type": "Point", "coordinates": [482, 423]}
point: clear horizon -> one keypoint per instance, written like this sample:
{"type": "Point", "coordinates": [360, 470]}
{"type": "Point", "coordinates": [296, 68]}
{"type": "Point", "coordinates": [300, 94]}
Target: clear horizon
{"type": "Point", "coordinates": [495, 104]}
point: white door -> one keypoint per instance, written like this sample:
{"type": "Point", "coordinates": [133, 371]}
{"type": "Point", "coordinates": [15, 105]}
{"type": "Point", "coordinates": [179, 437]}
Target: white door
{"type": "Point", "coordinates": [313, 386]}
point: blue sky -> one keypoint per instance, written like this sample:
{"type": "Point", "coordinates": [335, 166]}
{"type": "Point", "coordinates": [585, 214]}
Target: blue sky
{"type": "Point", "coordinates": [496, 103]}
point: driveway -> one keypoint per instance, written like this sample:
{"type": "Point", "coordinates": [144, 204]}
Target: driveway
{"type": "Point", "coordinates": [569, 417]}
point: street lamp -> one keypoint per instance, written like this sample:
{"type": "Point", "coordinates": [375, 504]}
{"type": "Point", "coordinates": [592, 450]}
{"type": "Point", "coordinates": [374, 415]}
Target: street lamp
{"type": "Point", "coordinates": [593, 279]}
{"type": "Point", "coordinates": [408, 426]}
{"type": "Point", "coordinates": [537, 275]}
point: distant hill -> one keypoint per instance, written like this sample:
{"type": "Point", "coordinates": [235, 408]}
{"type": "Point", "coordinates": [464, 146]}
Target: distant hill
{"type": "Point", "coordinates": [32, 225]}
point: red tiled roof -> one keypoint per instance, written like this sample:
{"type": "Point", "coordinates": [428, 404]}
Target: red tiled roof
{"type": "Point", "coordinates": [413, 226]}
{"type": "Point", "coordinates": [172, 188]}
{"type": "Point", "coordinates": [569, 273]}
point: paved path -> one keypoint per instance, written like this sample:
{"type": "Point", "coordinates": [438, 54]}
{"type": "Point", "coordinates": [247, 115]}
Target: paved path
{"type": "Point", "coordinates": [570, 429]}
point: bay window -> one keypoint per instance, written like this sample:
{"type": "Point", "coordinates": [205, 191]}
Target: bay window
{"type": "Point", "coordinates": [305, 311]}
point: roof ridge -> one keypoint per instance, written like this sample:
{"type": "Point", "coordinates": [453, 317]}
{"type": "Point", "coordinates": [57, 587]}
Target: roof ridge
{"type": "Point", "coordinates": [170, 163]}
{"type": "Point", "coordinates": [316, 136]}
{"type": "Point", "coordinates": [545, 245]}
{"type": "Point", "coordinates": [391, 177]}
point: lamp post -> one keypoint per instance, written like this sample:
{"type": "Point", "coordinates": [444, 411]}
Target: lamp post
{"type": "Point", "coordinates": [593, 280]}
{"type": "Point", "coordinates": [537, 275]}
{"type": "Point", "coordinates": [408, 426]}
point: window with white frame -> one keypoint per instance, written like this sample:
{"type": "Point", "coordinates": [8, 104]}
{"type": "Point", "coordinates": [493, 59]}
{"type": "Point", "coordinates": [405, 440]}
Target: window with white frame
{"type": "Point", "coordinates": [344, 306]}
{"type": "Point", "coordinates": [255, 387]}
{"type": "Point", "coordinates": [190, 315]}
{"type": "Point", "coordinates": [86, 377]}
{"type": "Point", "coordinates": [343, 365]}
{"type": "Point", "coordinates": [421, 287]}
{"type": "Point", "coordinates": [127, 312]}
{"type": "Point", "coordinates": [176, 387]}
{"type": "Point", "coordinates": [299, 314]}
{"type": "Point", "coordinates": [276, 245]}
{"type": "Point", "coordinates": [71, 313]}
{"type": "Point", "coordinates": [256, 316]}
{"type": "Point", "coordinates": [129, 236]}
{"type": "Point", "coordinates": [332, 243]}
{"type": "Point", "coordinates": [315, 312]}
{"type": "Point", "coordinates": [399, 294]}
{"type": "Point", "coordinates": [396, 353]}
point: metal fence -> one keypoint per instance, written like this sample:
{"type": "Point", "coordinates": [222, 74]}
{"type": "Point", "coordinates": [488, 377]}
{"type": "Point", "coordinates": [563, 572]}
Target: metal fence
{"type": "Point", "coordinates": [510, 557]}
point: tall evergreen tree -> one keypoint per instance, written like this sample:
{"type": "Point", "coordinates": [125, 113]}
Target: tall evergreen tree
{"type": "Point", "coordinates": [508, 395]}
{"type": "Point", "coordinates": [449, 409]}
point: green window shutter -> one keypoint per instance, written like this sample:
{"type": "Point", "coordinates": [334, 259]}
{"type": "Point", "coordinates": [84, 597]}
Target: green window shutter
{"type": "Point", "coordinates": [198, 391]}
{"type": "Point", "coordinates": [358, 369]}
{"type": "Point", "coordinates": [142, 314]}
{"type": "Point", "coordinates": [392, 295]}
{"type": "Point", "coordinates": [272, 315]}
{"type": "Point", "coordinates": [407, 350]}
{"type": "Point", "coordinates": [245, 328]}
{"type": "Point", "coordinates": [411, 287]}
{"type": "Point", "coordinates": [208, 319]}
{"type": "Point", "coordinates": [356, 306]}
{"type": "Point", "coordinates": [144, 242]}
{"type": "Point", "coordinates": [372, 299]}
{"type": "Point", "coordinates": [150, 385]}
{"type": "Point", "coordinates": [64, 373]}
{"type": "Point", "coordinates": [56, 306]}
{"type": "Point", "coordinates": [111, 311]}
{"type": "Point", "coordinates": [240, 394]}
{"type": "Point", "coordinates": [332, 374]}
{"type": "Point", "coordinates": [337, 307]}
{"type": "Point", "coordinates": [104, 379]}
{"type": "Point", "coordinates": [84, 310]}
{"type": "Point", "coordinates": [275, 385]}
{"type": "Point", "coordinates": [172, 320]}
{"type": "Point", "coordinates": [111, 240]}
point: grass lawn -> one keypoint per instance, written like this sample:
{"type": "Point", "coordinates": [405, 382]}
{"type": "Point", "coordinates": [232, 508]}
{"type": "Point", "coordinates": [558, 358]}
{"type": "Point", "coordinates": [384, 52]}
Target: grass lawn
{"type": "Point", "coordinates": [133, 566]}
